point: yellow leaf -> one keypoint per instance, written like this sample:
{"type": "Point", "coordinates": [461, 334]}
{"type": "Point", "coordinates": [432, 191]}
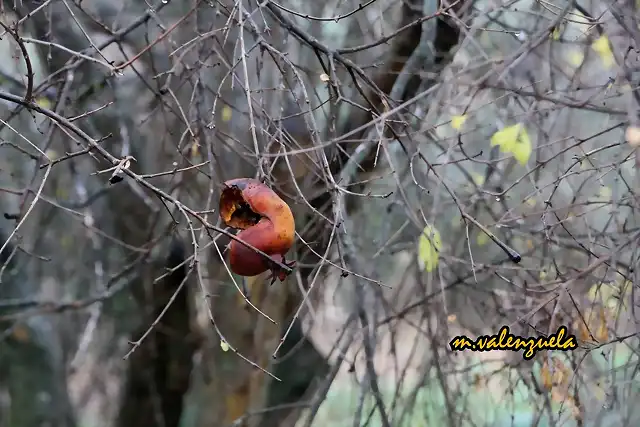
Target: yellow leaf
{"type": "Point", "coordinates": [61, 193]}
{"type": "Point", "coordinates": [66, 241]}
{"type": "Point", "coordinates": [555, 375]}
{"type": "Point", "coordinates": [522, 152]}
{"type": "Point", "coordinates": [51, 154]}
{"type": "Point", "coordinates": [602, 331]}
{"type": "Point", "coordinates": [226, 113]}
{"type": "Point", "coordinates": [195, 149]}
{"type": "Point", "coordinates": [429, 247]}
{"type": "Point", "coordinates": [478, 179]}
{"type": "Point", "coordinates": [44, 103]}
{"type": "Point", "coordinates": [604, 194]}
{"type": "Point", "coordinates": [613, 304]}
{"type": "Point", "coordinates": [224, 346]}
{"type": "Point", "coordinates": [576, 58]}
{"type": "Point", "coordinates": [584, 334]}
{"type": "Point", "coordinates": [594, 292]}
{"type": "Point", "coordinates": [603, 49]}
{"type": "Point", "coordinates": [237, 404]}
{"type": "Point", "coordinates": [555, 34]}
{"type": "Point", "coordinates": [515, 140]}
{"type": "Point", "coordinates": [458, 121]}
{"type": "Point", "coordinates": [21, 333]}
{"type": "Point", "coordinates": [545, 374]}
{"type": "Point", "coordinates": [506, 136]}
{"type": "Point", "coordinates": [592, 326]}
{"type": "Point", "coordinates": [625, 288]}
{"type": "Point", "coordinates": [602, 291]}
{"type": "Point", "coordinates": [482, 239]}
{"type": "Point", "coordinates": [598, 392]}
{"type": "Point", "coordinates": [543, 274]}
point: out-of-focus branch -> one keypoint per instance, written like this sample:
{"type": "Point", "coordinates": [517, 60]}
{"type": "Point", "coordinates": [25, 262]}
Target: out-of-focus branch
{"type": "Point", "coordinates": [31, 364]}
{"type": "Point", "coordinates": [422, 55]}
{"type": "Point", "coordinates": [402, 47]}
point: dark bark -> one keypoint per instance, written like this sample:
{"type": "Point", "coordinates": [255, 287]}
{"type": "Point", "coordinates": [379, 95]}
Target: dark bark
{"type": "Point", "coordinates": [159, 370]}
{"type": "Point", "coordinates": [301, 368]}
{"type": "Point", "coordinates": [403, 46]}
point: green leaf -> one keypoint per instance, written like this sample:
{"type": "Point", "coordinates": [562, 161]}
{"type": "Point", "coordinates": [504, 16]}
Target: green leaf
{"type": "Point", "coordinates": [429, 247]}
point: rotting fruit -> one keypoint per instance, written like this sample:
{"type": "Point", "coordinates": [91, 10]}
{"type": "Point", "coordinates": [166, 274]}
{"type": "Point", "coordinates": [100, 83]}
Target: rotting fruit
{"type": "Point", "coordinates": [266, 222]}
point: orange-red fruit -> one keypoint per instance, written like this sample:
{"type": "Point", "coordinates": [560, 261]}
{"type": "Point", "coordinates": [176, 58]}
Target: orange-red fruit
{"type": "Point", "coordinates": [266, 222]}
